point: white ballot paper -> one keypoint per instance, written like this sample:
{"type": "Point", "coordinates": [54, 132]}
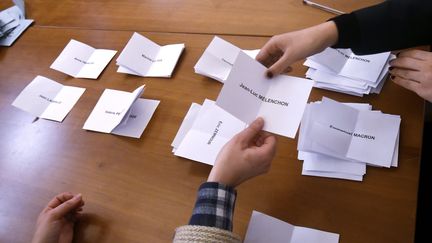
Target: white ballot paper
{"type": "Point", "coordinates": [218, 58]}
{"type": "Point", "coordinates": [248, 94]}
{"type": "Point", "coordinates": [48, 99]}
{"type": "Point", "coordinates": [208, 130]}
{"type": "Point", "coordinates": [13, 23]}
{"type": "Point", "coordinates": [345, 63]}
{"type": "Point", "coordinates": [145, 58]}
{"type": "Point", "coordinates": [265, 229]}
{"type": "Point", "coordinates": [344, 132]}
{"type": "Point", "coordinates": [82, 61]}
{"type": "Point", "coordinates": [122, 113]}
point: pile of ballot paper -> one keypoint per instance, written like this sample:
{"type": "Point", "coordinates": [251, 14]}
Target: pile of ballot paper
{"type": "Point", "coordinates": [338, 140]}
{"type": "Point", "coordinates": [13, 23]}
{"type": "Point", "coordinates": [342, 71]}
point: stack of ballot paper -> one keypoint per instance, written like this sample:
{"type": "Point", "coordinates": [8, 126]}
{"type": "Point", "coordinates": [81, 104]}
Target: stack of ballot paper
{"type": "Point", "coordinates": [13, 23]}
{"type": "Point", "coordinates": [47, 99]}
{"type": "Point", "coordinates": [265, 229]}
{"type": "Point", "coordinates": [342, 71]}
{"type": "Point", "coordinates": [218, 59]}
{"type": "Point", "coordinates": [121, 113]}
{"type": "Point", "coordinates": [143, 57]}
{"type": "Point", "coordinates": [338, 140]}
{"type": "Point", "coordinates": [82, 61]}
{"type": "Point", "coordinates": [204, 131]}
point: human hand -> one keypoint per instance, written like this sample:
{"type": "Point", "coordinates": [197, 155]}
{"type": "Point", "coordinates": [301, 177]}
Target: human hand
{"type": "Point", "coordinates": [283, 50]}
{"type": "Point", "coordinates": [246, 155]}
{"type": "Point", "coordinates": [412, 70]}
{"type": "Point", "coordinates": [56, 221]}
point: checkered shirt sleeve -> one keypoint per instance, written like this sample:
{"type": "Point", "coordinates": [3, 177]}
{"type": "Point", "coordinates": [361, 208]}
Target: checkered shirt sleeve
{"type": "Point", "coordinates": [214, 206]}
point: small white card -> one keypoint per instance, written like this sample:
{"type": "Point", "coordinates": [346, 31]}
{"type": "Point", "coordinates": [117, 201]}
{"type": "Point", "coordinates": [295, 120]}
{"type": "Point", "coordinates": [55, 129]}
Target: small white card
{"type": "Point", "coordinates": [344, 62]}
{"type": "Point", "coordinates": [121, 113]}
{"type": "Point", "coordinates": [218, 59]}
{"type": "Point", "coordinates": [211, 129]}
{"type": "Point", "coordinates": [48, 99]}
{"type": "Point", "coordinates": [344, 132]}
{"type": "Point", "coordinates": [265, 229]}
{"type": "Point", "coordinates": [82, 61]}
{"type": "Point", "coordinates": [145, 58]}
{"type": "Point", "coordinates": [248, 94]}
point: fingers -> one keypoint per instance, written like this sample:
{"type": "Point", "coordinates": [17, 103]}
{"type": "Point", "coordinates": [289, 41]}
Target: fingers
{"type": "Point", "coordinates": [280, 66]}
{"type": "Point", "coordinates": [407, 63]}
{"type": "Point", "coordinates": [69, 206]}
{"type": "Point", "coordinates": [406, 83]}
{"type": "Point", "coordinates": [416, 54]}
{"type": "Point", "coordinates": [59, 199]}
{"type": "Point", "coordinates": [250, 133]}
{"type": "Point", "coordinates": [406, 73]}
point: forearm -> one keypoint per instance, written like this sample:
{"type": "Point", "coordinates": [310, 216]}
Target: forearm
{"type": "Point", "coordinates": [391, 25]}
{"type": "Point", "coordinates": [214, 206]}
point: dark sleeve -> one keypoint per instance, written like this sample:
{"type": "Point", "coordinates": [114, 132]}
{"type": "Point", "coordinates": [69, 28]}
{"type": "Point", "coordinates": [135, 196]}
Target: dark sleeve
{"type": "Point", "coordinates": [391, 25]}
{"type": "Point", "coordinates": [214, 206]}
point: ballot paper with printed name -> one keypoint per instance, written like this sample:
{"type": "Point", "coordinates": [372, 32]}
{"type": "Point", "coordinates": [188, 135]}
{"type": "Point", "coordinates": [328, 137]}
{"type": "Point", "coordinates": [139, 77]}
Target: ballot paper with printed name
{"type": "Point", "coordinates": [204, 131]}
{"type": "Point", "coordinates": [344, 132]}
{"type": "Point", "coordinates": [82, 61]}
{"type": "Point", "coordinates": [248, 94]}
{"type": "Point", "coordinates": [48, 99]}
{"type": "Point", "coordinates": [13, 23]}
{"type": "Point", "coordinates": [143, 57]}
{"type": "Point", "coordinates": [218, 58]}
{"type": "Point", "coordinates": [342, 71]}
{"type": "Point", "coordinates": [121, 113]}
{"type": "Point", "coordinates": [264, 229]}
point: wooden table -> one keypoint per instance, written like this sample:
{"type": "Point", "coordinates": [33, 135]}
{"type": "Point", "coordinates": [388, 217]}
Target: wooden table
{"type": "Point", "coordinates": [137, 191]}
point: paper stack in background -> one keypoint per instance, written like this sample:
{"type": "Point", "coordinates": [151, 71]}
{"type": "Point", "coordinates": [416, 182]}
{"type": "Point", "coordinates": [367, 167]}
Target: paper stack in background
{"type": "Point", "coordinates": [265, 229]}
{"type": "Point", "coordinates": [338, 140]}
{"type": "Point", "coordinates": [13, 23]}
{"type": "Point", "coordinates": [342, 71]}
{"type": "Point", "coordinates": [218, 59]}
{"type": "Point", "coordinates": [204, 131]}
{"type": "Point", "coordinates": [143, 57]}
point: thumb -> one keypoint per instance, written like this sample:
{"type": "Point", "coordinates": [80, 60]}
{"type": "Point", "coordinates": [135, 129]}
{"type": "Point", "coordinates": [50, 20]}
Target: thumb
{"type": "Point", "coordinates": [68, 206]}
{"type": "Point", "coordinates": [248, 134]}
{"type": "Point", "coordinates": [280, 66]}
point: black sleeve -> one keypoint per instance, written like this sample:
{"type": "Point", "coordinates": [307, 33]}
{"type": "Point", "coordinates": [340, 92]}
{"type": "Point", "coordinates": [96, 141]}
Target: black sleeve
{"type": "Point", "coordinates": [391, 25]}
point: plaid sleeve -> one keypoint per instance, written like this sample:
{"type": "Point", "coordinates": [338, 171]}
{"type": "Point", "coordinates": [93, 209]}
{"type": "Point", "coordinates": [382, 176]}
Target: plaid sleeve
{"type": "Point", "coordinates": [214, 206]}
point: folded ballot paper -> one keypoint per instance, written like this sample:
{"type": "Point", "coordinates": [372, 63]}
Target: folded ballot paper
{"type": "Point", "coordinates": [248, 94]}
{"type": "Point", "coordinates": [143, 57]}
{"type": "Point", "coordinates": [338, 140]}
{"type": "Point", "coordinates": [218, 59]}
{"type": "Point", "coordinates": [47, 99]}
{"type": "Point", "coordinates": [342, 71]}
{"type": "Point", "coordinates": [204, 131]}
{"type": "Point", "coordinates": [13, 23]}
{"type": "Point", "coordinates": [121, 113]}
{"type": "Point", "coordinates": [82, 61]}
{"type": "Point", "coordinates": [264, 229]}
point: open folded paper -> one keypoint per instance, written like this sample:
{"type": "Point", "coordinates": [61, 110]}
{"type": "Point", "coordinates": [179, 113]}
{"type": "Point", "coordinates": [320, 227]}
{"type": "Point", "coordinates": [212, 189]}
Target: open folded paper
{"type": "Point", "coordinates": [218, 59]}
{"type": "Point", "coordinates": [248, 94]}
{"type": "Point", "coordinates": [143, 57]}
{"type": "Point", "coordinates": [48, 99]}
{"type": "Point", "coordinates": [122, 113]}
{"type": "Point", "coordinates": [82, 61]}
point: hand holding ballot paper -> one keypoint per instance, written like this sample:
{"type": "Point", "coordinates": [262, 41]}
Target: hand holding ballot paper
{"type": "Point", "coordinates": [122, 113]}
{"type": "Point", "coordinates": [248, 94]}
